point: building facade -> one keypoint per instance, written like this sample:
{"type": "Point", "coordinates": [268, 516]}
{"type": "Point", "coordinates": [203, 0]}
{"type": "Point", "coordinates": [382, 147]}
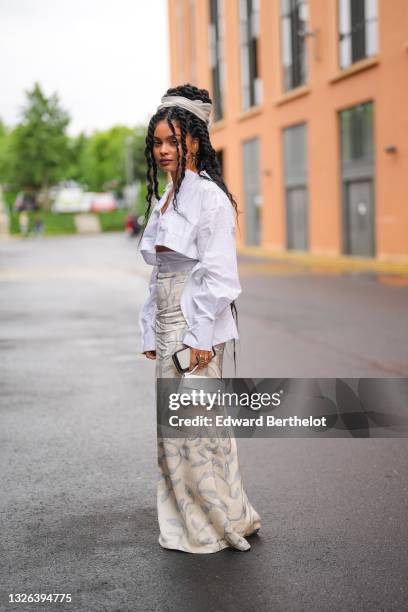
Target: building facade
{"type": "Point", "coordinates": [310, 117]}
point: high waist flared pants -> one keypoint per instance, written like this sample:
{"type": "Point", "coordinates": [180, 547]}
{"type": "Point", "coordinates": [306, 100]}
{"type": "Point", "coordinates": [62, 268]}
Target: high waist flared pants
{"type": "Point", "coordinates": [202, 505]}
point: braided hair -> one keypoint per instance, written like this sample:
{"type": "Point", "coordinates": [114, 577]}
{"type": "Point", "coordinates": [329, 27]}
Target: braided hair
{"type": "Point", "coordinates": [206, 156]}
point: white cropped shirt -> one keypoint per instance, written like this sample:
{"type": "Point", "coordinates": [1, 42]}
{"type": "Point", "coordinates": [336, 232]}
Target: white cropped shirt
{"type": "Point", "coordinates": [206, 233]}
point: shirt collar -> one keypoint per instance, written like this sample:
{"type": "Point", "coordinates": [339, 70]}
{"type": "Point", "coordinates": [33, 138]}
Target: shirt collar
{"type": "Point", "coordinates": [189, 178]}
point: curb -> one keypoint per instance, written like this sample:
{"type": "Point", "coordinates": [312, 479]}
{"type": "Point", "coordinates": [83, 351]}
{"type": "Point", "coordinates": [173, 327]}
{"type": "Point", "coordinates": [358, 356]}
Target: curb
{"type": "Point", "coordinates": [335, 263]}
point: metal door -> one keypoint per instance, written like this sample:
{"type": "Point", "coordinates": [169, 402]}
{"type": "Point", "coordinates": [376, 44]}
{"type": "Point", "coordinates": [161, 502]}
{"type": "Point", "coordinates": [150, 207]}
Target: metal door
{"type": "Point", "coordinates": [360, 209]}
{"type": "Point", "coordinates": [296, 218]}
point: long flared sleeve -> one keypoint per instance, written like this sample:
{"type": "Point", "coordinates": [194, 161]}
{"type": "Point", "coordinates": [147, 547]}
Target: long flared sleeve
{"type": "Point", "coordinates": [147, 315]}
{"type": "Point", "coordinates": [217, 270]}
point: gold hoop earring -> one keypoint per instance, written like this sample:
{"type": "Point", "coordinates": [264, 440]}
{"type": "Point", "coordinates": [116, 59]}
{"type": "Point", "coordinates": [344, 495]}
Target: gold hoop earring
{"type": "Point", "coordinates": [194, 159]}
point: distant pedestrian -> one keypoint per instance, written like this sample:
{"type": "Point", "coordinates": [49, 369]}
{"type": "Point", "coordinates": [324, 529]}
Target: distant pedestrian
{"type": "Point", "coordinates": [23, 221]}
{"type": "Point", "coordinates": [132, 226]}
{"type": "Point", "coordinates": [38, 225]}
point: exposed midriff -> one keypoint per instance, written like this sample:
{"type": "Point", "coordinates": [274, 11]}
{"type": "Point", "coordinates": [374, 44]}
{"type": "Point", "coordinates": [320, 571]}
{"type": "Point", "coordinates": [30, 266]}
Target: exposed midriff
{"type": "Point", "coordinates": [160, 248]}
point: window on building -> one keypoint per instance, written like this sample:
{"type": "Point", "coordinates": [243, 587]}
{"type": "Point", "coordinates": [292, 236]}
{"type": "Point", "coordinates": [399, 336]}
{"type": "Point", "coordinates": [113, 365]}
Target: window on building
{"type": "Point", "coordinates": [293, 24]}
{"type": "Point", "coordinates": [296, 187]}
{"type": "Point", "coordinates": [358, 37]}
{"type": "Point", "coordinates": [180, 39]}
{"type": "Point", "coordinates": [249, 34]}
{"type": "Point", "coordinates": [193, 49]}
{"type": "Point", "coordinates": [216, 49]}
{"type": "Point", "coordinates": [356, 131]}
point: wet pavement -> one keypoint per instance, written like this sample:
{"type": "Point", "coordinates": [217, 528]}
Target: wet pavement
{"type": "Point", "coordinates": [78, 446]}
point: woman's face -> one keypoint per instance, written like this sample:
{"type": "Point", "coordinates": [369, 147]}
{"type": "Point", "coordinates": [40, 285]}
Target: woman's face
{"type": "Point", "coordinates": [165, 147]}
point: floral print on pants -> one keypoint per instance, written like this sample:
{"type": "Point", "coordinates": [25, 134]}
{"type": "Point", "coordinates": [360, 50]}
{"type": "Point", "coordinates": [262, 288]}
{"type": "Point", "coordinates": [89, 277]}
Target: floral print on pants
{"type": "Point", "coordinates": [201, 501]}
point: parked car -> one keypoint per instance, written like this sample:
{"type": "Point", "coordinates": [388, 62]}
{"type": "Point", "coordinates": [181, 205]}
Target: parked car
{"type": "Point", "coordinates": [70, 199]}
{"type": "Point", "coordinates": [103, 202]}
{"type": "Point", "coordinates": [75, 200]}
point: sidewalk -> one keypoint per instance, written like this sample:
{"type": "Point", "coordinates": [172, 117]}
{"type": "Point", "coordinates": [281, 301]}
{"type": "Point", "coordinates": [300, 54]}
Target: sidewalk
{"type": "Point", "coordinates": [325, 263]}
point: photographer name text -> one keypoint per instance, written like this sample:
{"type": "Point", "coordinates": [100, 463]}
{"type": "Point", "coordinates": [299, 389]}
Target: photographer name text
{"type": "Point", "coordinates": [261, 420]}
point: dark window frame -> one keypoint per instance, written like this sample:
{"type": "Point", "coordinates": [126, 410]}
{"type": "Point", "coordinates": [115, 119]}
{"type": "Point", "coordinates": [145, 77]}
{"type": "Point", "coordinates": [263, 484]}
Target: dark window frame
{"type": "Point", "coordinates": [294, 74]}
{"type": "Point", "coordinates": [356, 33]}
{"type": "Point", "coordinates": [249, 45]}
{"type": "Point", "coordinates": [216, 70]}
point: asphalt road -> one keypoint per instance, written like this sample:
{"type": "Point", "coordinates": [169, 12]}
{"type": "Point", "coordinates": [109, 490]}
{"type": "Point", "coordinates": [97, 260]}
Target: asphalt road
{"type": "Point", "coordinates": [78, 447]}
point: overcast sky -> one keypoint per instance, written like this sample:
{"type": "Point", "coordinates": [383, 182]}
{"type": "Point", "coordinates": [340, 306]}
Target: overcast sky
{"type": "Point", "coordinates": [107, 59]}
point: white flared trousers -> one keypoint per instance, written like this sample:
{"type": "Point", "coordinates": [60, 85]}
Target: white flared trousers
{"type": "Point", "coordinates": [202, 505]}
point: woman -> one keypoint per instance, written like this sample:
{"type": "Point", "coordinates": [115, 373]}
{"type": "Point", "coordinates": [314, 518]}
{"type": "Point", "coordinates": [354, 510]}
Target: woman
{"type": "Point", "coordinates": [189, 240]}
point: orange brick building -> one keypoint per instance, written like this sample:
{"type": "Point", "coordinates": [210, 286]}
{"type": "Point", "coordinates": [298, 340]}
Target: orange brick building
{"type": "Point", "coordinates": [310, 117]}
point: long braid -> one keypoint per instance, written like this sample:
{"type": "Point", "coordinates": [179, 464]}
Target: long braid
{"type": "Point", "coordinates": [206, 159]}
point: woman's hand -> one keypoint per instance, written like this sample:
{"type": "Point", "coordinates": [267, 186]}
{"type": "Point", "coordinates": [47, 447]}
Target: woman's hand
{"type": "Point", "coordinates": [204, 358]}
{"type": "Point", "coordinates": [150, 354]}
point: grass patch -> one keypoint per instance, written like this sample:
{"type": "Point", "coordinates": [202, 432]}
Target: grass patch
{"type": "Point", "coordinates": [113, 220]}
{"type": "Point", "coordinates": [63, 223]}
{"type": "Point", "coordinates": [54, 224]}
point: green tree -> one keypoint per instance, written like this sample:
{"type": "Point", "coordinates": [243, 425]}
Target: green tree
{"type": "Point", "coordinates": [139, 141]}
{"type": "Point", "coordinates": [39, 147]}
{"type": "Point", "coordinates": [4, 141]}
{"type": "Point", "coordinates": [104, 158]}
{"type": "Point", "coordinates": [77, 146]}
